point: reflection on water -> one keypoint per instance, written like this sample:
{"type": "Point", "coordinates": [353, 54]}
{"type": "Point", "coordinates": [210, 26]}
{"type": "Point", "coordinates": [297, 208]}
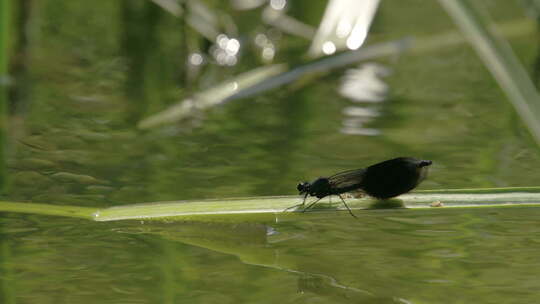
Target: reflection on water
{"type": "Point", "coordinates": [363, 85]}
{"type": "Point", "coordinates": [388, 256]}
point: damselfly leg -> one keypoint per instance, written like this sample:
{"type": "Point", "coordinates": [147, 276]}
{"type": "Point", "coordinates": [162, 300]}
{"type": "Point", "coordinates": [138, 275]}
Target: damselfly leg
{"type": "Point", "coordinates": [297, 205]}
{"type": "Point", "coordinates": [311, 205]}
{"type": "Point", "coordinates": [349, 209]}
{"type": "Point", "coordinates": [346, 206]}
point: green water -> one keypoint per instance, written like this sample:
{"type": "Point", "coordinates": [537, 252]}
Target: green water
{"type": "Point", "coordinates": [434, 256]}
{"type": "Point", "coordinates": [83, 74]}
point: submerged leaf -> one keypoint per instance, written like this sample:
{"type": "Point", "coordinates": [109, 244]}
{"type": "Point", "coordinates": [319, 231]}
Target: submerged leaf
{"type": "Point", "coordinates": [211, 97]}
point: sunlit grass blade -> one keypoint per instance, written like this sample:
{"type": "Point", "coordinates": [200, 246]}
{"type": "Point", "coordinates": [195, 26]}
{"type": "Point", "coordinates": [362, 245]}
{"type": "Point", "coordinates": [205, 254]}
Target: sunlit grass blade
{"type": "Point", "coordinates": [345, 25]}
{"type": "Point", "coordinates": [280, 20]}
{"type": "Point", "coordinates": [270, 209]}
{"type": "Point", "coordinates": [266, 208]}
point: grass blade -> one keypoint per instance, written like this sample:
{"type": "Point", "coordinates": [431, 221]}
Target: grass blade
{"type": "Point", "coordinates": [270, 209]}
{"type": "Point", "coordinates": [500, 60]}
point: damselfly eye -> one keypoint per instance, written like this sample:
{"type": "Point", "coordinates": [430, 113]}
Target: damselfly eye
{"type": "Point", "coordinates": [303, 186]}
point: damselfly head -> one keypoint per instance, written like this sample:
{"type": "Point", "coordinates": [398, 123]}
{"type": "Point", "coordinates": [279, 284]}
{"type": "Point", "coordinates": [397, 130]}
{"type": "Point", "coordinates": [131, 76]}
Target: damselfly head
{"type": "Point", "coordinates": [303, 187]}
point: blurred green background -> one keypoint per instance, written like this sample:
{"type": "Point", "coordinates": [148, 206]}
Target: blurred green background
{"type": "Point", "coordinates": [83, 75]}
{"type": "Point", "coordinates": [107, 103]}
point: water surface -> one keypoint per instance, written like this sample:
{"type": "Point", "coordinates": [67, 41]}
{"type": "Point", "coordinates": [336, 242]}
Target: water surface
{"type": "Point", "coordinates": [84, 74]}
{"type": "Point", "coordinates": [387, 256]}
